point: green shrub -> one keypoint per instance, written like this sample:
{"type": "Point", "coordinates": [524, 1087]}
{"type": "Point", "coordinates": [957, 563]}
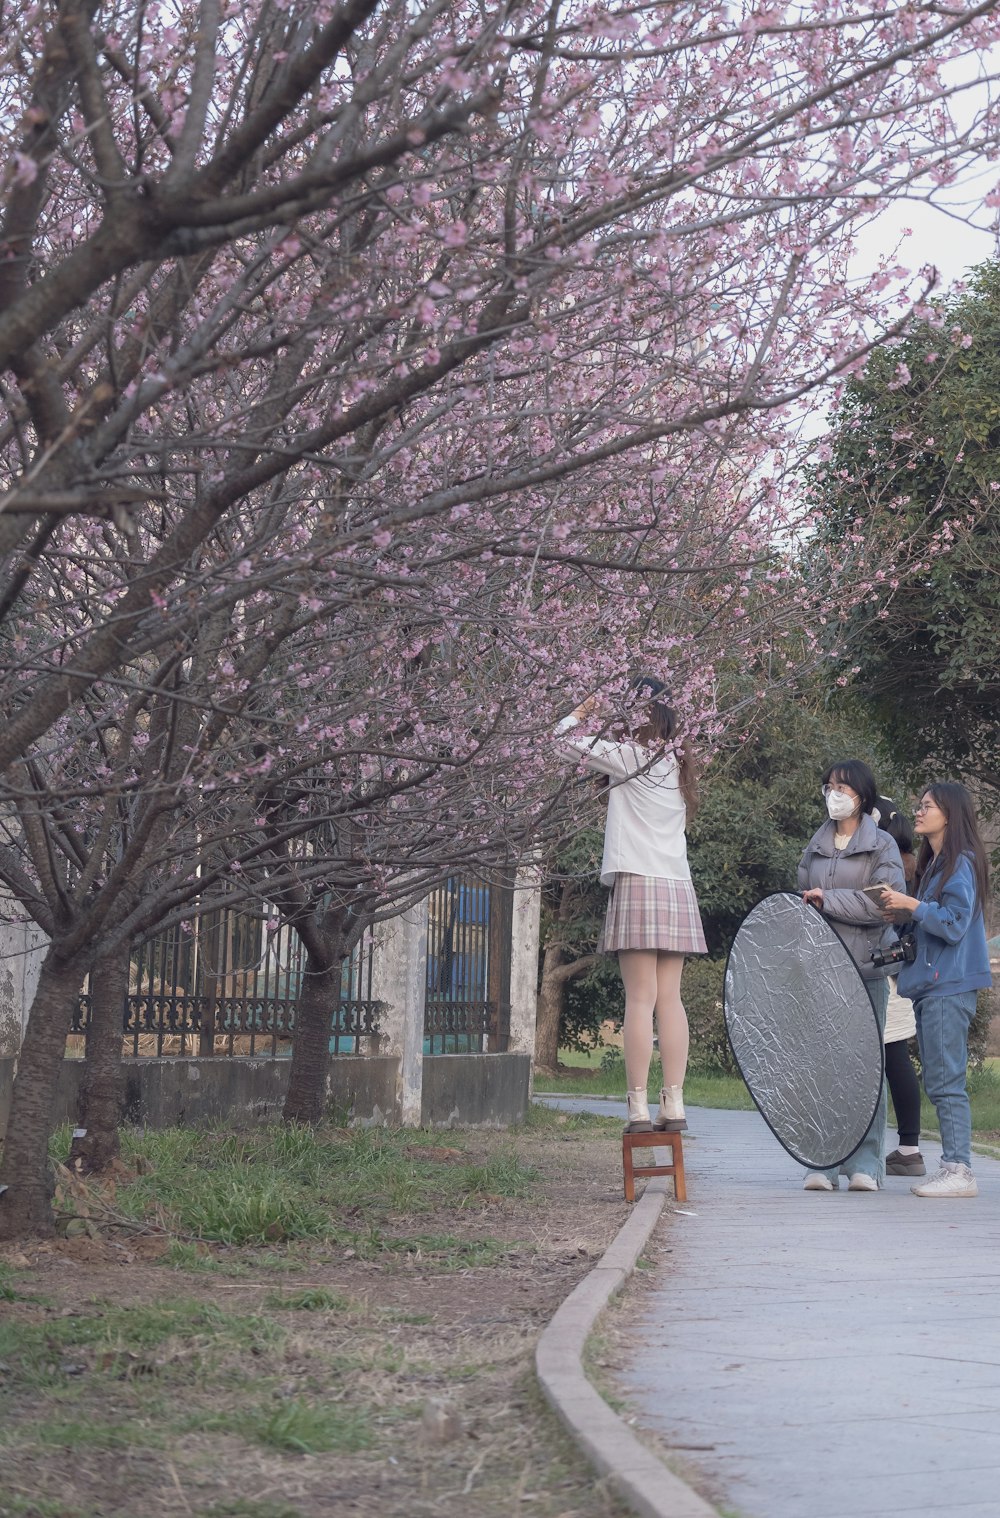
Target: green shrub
{"type": "Point", "coordinates": [590, 1001]}
{"type": "Point", "coordinates": [987, 1007]}
{"type": "Point", "coordinates": [702, 992]}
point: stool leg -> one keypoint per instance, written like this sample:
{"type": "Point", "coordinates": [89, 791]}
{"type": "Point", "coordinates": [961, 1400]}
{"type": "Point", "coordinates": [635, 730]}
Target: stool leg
{"type": "Point", "coordinates": [627, 1170]}
{"type": "Point", "coordinates": [677, 1155]}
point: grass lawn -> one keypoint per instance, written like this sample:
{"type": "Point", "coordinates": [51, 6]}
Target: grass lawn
{"type": "Point", "coordinates": [984, 1098]}
{"type": "Point", "coordinates": [289, 1323]}
{"type": "Point", "coordinates": [581, 1075]}
{"type": "Point", "coordinates": [984, 1094]}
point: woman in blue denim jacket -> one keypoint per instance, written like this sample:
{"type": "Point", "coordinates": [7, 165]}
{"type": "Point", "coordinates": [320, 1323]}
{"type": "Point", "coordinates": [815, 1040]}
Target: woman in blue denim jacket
{"type": "Point", "coordinates": [950, 966]}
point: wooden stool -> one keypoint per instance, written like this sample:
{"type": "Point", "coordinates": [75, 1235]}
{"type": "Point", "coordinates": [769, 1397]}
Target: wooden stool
{"type": "Point", "coordinates": [655, 1140]}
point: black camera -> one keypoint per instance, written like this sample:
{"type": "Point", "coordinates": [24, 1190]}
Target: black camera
{"type": "Point", "coordinates": [902, 952]}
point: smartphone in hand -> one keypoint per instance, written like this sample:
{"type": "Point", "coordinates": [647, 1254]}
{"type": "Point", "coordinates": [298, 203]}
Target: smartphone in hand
{"type": "Point", "coordinates": [875, 893]}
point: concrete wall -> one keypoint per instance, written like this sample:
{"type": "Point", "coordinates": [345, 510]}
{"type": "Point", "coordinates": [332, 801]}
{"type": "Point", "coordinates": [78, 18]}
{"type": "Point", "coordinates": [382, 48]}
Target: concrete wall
{"type": "Point", "coordinates": [399, 1085]}
{"type": "Point", "coordinates": [22, 948]}
{"type": "Point", "coordinates": [162, 1092]}
{"type": "Point", "coordinates": [490, 1089]}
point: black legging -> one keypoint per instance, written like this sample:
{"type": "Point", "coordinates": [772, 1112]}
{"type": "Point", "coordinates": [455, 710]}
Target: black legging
{"type": "Point", "coordinates": [905, 1091]}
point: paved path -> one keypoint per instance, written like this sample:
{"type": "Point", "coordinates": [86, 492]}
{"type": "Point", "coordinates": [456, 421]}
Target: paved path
{"type": "Point", "coordinates": [819, 1355]}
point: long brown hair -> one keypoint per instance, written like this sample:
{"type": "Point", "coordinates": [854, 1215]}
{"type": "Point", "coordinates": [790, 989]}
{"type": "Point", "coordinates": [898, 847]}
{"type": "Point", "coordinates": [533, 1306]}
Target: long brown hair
{"type": "Point", "coordinates": [661, 720]}
{"type": "Point", "coordinates": [962, 839]}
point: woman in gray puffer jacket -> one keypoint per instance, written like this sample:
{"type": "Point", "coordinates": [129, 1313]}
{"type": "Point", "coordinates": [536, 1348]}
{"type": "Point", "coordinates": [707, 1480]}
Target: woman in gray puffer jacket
{"type": "Point", "coordinates": [846, 854]}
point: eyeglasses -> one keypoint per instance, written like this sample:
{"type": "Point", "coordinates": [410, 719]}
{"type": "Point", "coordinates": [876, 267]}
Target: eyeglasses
{"type": "Point", "coordinates": [926, 806]}
{"type": "Point", "coordinates": [839, 790]}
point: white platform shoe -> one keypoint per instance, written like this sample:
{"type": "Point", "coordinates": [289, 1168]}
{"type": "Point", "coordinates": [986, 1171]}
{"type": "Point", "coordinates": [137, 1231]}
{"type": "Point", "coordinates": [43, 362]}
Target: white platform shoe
{"type": "Point", "coordinates": [638, 1112]}
{"type": "Point", "coordinates": [670, 1118]}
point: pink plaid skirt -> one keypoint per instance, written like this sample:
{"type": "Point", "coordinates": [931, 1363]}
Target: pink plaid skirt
{"type": "Point", "coordinates": [646, 912]}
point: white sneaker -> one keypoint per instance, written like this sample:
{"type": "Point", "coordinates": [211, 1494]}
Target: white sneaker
{"type": "Point", "coordinates": [862, 1182]}
{"type": "Point", "coordinates": [817, 1181]}
{"type": "Point", "coordinates": [638, 1112]}
{"type": "Point", "coordinates": [950, 1180]}
{"type": "Point", "coordinates": [670, 1118]}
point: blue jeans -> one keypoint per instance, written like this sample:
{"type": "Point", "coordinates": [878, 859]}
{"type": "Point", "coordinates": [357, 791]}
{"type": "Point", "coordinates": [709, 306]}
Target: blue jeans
{"type": "Point", "coordinates": [869, 1157]}
{"type": "Point", "coordinates": [943, 1039]}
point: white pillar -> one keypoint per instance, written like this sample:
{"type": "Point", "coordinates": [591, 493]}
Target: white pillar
{"type": "Point", "coordinates": [399, 978]}
{"type": "Point", "coordinates": [525, 929]}
{"type": "Point", "coordinates": [22, 949]}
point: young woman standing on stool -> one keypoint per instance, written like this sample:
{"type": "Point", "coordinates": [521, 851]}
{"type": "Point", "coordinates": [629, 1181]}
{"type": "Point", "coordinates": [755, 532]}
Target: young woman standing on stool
{"type": "Point", "coordinates": [652, 918]}
{"type": "Point", "coordinates": [952, 964]}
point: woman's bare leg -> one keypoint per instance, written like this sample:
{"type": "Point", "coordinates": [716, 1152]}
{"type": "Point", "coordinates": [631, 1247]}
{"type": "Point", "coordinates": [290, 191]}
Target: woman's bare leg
{"type": "Point", "coordinates": [671, 1019]}
{"type": "Point", "coordinates": [638, 972]}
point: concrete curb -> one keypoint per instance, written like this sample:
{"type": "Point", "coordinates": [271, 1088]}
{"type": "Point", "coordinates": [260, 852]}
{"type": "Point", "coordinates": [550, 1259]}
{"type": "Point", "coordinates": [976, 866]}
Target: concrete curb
{"type": "Point", "coordinates": [643, 1481]}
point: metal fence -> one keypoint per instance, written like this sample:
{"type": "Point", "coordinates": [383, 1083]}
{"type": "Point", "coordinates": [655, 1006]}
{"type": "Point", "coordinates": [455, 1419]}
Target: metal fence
{"type": "Point", "coordinates": [229, 984]}
{"type": "Point", "coordinates": [467, 1002]}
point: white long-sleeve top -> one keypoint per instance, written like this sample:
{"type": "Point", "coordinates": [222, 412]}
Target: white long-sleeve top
{"type": "Point", "coordinates": [644, 832]}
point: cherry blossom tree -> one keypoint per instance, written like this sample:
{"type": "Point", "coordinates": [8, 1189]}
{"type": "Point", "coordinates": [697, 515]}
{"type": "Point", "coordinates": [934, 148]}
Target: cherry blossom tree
{"type": "Point", "coordinates": [378, 378]}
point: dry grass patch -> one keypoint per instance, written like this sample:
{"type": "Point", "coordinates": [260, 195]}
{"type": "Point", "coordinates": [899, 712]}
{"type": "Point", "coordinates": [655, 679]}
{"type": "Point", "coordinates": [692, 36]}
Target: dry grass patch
{"type": "Point", "coordinates": [380, 1360]}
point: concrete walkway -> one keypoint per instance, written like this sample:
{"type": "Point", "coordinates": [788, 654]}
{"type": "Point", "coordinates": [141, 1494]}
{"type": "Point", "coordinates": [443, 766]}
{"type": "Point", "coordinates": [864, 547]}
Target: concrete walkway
{"type": "Point", "coordinates": [823, 1356]}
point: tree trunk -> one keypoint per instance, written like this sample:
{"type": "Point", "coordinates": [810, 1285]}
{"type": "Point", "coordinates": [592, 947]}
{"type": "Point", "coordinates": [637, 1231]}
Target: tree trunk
{"type": "Point", "coordinates": [555, 973]}
{"type": "Point", "coordinates": [305, 1101]}
{"type": "Point", "coordinates": [25, 1204]}
{"type": "Point", "coordinates": [96, 1143]}
{"type": "Point", "coordinates": [548, 1013]}
{"type": "Point", "coordinates": [549, 1007]}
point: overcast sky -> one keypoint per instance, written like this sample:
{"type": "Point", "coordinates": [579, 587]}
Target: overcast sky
{"type": "Point", "coordinates": [952, 245]}
{"type": "Point", "coordinates": [955, 242]}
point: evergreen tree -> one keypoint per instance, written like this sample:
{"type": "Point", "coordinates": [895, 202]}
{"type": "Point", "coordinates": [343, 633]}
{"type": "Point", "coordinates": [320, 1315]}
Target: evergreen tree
{"type": "Point", "coordinates": [916, 446]}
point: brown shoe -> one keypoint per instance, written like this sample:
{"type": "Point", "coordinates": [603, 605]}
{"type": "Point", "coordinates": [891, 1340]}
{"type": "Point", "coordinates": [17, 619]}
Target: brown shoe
{"type": "Point", "coordinates": [905, 1164]}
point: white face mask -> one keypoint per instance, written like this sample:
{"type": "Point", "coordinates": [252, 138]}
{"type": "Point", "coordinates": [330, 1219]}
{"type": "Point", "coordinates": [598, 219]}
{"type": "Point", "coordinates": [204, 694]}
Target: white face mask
{"type": "Point", "coordinates": [840, 806]}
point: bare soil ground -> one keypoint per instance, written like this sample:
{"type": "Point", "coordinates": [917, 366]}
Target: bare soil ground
{"type": "Point", "coordinates": [392, 1375]}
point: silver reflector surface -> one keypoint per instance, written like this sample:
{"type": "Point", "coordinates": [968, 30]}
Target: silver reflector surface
{"type": "Point", "coordinates": [803, 1030]}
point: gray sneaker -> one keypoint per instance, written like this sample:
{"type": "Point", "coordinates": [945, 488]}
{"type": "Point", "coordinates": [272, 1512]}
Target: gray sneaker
{"type": "Point", "coordinates": [950, 1180]}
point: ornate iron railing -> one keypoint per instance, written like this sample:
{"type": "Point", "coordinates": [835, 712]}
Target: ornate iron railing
{"type": "Point", "coordinates": [229, 985]}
